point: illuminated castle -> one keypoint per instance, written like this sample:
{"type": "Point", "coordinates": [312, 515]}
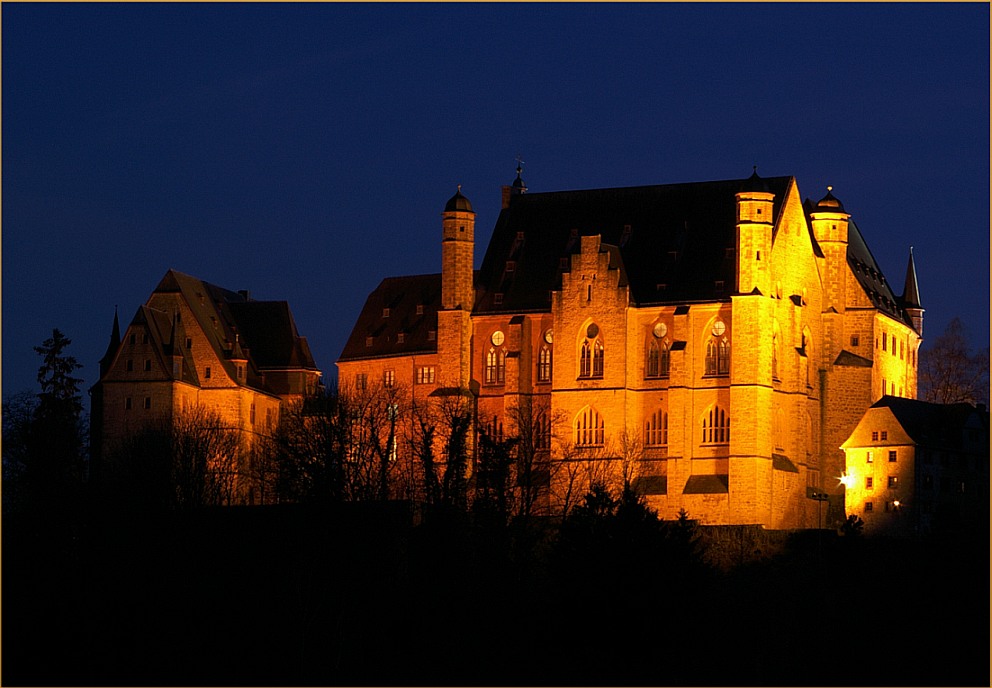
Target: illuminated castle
{"type": "Point", "coordinates": [714, 342]}
{"type": "Point", "coordinates": [194, 344]}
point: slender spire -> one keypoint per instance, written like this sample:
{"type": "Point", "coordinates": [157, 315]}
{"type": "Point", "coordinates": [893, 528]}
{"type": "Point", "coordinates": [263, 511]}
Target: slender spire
{"type": "Point", "coordinates": [114, 346]}
{"type": "Point", "coordinates": [911, 293]}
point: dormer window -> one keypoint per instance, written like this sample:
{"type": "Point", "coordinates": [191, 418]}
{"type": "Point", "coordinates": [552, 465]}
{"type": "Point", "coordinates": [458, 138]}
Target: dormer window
{"type": "Point", "coordinates": [420, 309]}
{"type": "Point", "coordinates": [385, 312]}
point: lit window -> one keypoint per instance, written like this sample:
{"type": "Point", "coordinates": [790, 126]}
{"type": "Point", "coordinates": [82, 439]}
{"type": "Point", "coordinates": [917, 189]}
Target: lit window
{"type": "Point", "coordinates": [589, 428]}
{"type": "Point", "coordinates": [892, 456]}
{"type": "Point", "coordinates": [716, 426]}
{"type": "Point", "coordinates": [389, 378]}
{"type": "Point", "coordinates": [385, 312]}
{"type": "Point", "coordinates": [425, 375]}
{"type": "Point", "coordinates": [361, 380]}
{"type": "Point", "coordinates": [656, 429]}
{"type": "Point", "coordinates": [591, 357]}
{"type": "Point", "coordinates": [893, 481]}
{"type": "Point", "coordinates": [495, 366]}
{"type": "Point", "coordinates": [718, 356]}
{"type": "Point", "coordinates": [544, 364]}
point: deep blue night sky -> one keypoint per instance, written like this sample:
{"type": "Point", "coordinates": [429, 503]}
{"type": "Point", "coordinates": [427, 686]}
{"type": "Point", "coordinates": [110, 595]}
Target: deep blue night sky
{"type": "Point", "coordinates": [305, 151]}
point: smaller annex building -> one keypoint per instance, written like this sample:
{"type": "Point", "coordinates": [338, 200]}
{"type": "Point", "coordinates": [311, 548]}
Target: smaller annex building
{"type": "Point", "coordinates": [196, 345]}
{"type": "Point", "coordinates": [913, 467]}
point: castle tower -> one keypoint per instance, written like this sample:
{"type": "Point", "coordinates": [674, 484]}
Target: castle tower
{"type": "Point", "coordinates": [830, 229]}
{"type": "Point", "coordinates": [754, 236]}
{"type": "Point", "coordinates": [518, 187]}
{"type": "Point", "coordinates": [457, 291]}
{"type": "Point", "coordinates": [911, 296]}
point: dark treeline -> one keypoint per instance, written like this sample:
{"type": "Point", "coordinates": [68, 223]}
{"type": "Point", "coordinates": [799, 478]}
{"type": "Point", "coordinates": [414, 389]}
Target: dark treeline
{"type": "Point", "coordinates": [357, 566]}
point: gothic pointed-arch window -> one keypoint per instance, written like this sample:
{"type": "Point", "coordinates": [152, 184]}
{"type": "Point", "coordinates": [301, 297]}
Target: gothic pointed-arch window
{"type": "Point", "coordinates": [775, 356]}
{"type": "Point", "coordinates": [591, 354]}
{"type": "Point", "coordinates": [656, 429]}
{"type": "Point", "coordinates": [589, 428]}
{"type": "Point", "coordinates": [718, 356]}
{"type": "Point", "coordinates": [495, 366]}
{"type": "Point", "coordinates": [658, 358]}
{"type": "Point", "coordinates": [716, 426]}
{"type": "Point", "coordinates": [544, 364]}
{"type": "Point", "coordinates": [542, 431]}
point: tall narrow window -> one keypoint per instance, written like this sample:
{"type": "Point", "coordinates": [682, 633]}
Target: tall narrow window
{"type": "Point", "coordinates": [656, 429]}
{"type": "Point", "coordinates": [716, 426]}
{"type": "Point", "coordinates": [389, 378]}
{"type": "Point", "coordinates": [542, 431]}
{"type": "Point", "coordinates": [544, 364]}
{"type": "Point", "coordinates": [775, 356]}
{"type": "Point", "coordinates": [597, 359]}
{"type": "Point", "coordinates": [654, 359]}
{"type": "Point", "coordinates": [591, 353]}
{"type": "Point", "coordinates": [718, 356]}
{"type": "Point", "coordinates": [589, 428]}
{"type": "Point", "coordinates": [495, 366]}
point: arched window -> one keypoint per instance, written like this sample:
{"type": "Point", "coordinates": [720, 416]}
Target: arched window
{"type": "Point", "coordinates": [544, 364]}
{"type": "Point", "coordinates": [656, 429]}
{"type": "Point", "coordinates": [494, 429]}
{"type": "Point", "coordinates": [718, 356]}
{"type": "Point", "coordinates": [659, 359]}
{"type": "Point", "coordinates": [542, 431]}
{"type": "Point", "coordinates": [716, 426]}
{"type": "Point", "coordinates": [589, 428]}
{"type": "Point", "coordinates": [653, 367]}
{"type": "Point", "coordinates": [495, 366]}
{"type": "Point", "coordinates": [591, 353]}
{"type": "Point", "coordinates": [775, 356]}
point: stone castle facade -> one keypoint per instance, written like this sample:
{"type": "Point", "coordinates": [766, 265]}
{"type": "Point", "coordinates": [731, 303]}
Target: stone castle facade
{"type": "Point", "coordinates": [713, 343]}
{"type": "Point", "coordinates": [194, 345]}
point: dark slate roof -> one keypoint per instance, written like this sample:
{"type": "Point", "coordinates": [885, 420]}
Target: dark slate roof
{"type": "Point", "coordinates": [850, 360]}
{"type": "Point", "coordinates": [265, 328]}
{"type": "Point", "coordinates": [401, 295]}
{"type": "Point", "coordinates": [458, 202]}
{"type": "Point", "coordinates": [679, 237]}
{"type": "Point", "coordinates": [268, 331]}
{"type": "Point", "coordinates": [911, 291]}
{"type": "Point", "coordinates": [707, 484]}
{"type": "Point", "coordinates": [870, 276]}
{"type": "Point", "coordinates": [650, 485]}
{"type": "Point", "coordinates": [934, 425]}
{"type": "Point", "coordinates": [781, 462]}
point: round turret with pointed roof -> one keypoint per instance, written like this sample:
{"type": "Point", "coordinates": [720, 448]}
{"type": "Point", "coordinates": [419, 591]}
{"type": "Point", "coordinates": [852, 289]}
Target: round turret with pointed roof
{"type": "Point", "coordinates": [458, 203]}
{"type": "Point", "coordinates": [829, 203]}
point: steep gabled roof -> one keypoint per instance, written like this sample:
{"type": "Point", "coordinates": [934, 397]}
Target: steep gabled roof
{"type": "Point", "coordinates": [676, 241]}
{"type": "Point", "coordinates": [403, 297]}
{"type": "Point", "coordinates": [228, 318]}
{"type": "Point", "coordinates": [936, 425]}
{"type": "Point", "coordinates": [870, 277]}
